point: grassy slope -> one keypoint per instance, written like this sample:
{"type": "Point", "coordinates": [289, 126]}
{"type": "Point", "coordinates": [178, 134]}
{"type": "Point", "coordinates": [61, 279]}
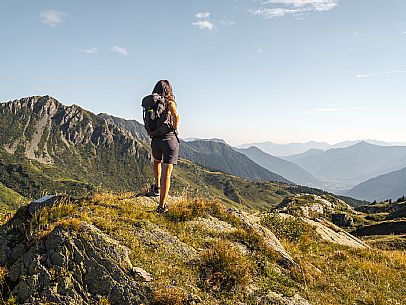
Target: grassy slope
{"type": "Point", "coordinates": [33, 179]}
{"type": "Point", "coordinates": [190, 178]}
{"type": "Point", "coordinates": [326, 274]}
{"type": "Point", "coordinates": [9, 199]}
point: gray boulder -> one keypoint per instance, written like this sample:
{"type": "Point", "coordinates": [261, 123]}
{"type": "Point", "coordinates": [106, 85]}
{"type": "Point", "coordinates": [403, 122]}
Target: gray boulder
{"type": "Point", "coordinates": [76, 267]}
{"type": "Point", "coordinates": [342, 220]}
{"type": "Point", "coordinates": [75, 263]}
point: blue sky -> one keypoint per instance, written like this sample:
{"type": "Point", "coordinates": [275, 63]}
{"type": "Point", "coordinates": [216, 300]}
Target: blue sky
{"type": "Point", "coordinates": [242, 70]}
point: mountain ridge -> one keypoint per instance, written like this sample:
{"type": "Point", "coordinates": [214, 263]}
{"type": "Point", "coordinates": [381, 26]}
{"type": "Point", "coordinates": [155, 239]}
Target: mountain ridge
{"type": "Point", "coordinates": [388, 186]}
{"type": "Point", "coordinates": [355, 163]}
{"type": "Point", "coordinates": [48, 132]}
{"type": "Point", "coordinates": [220, 156]}
{"type": "Point", "coordinates": [286, 150]}
{"type": "Point", "coordinates": [287, 169]}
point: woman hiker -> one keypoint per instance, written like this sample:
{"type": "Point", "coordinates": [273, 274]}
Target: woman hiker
{"type": "Point", "coordinates": [165, 147]}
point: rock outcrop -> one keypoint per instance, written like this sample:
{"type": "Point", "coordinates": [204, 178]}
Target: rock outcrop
{"type": "Point", "coordinates": [270, 239]}
{"type": "Point", "coordinates": [332, 233]}
{"type": "Point", "coordinates": [73, 264]}
{"type": "Point", "coordinates": [312, 206]}
{"type": "Point", "coordinates": [276, 299]}
{"type": "Point", "coordinates": [342, 220]}
{"type": "Point", "coordinates": [316, 211]}
{"type": "Point", "coordinates": [80, 266]}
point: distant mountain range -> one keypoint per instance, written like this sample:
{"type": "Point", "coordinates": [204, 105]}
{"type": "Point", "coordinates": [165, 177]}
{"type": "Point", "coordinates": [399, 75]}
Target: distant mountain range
{"type": "Point", "coordinates": [388, 186]}
{"type": "Point", "coordinates": [284, 150]}
{"type": "Point", "coordinates": [218, 156]}
{"type": "Point", "coordinates": [287, 169]}
{"type": "Point", "coordinates": [354, 164]}
{"type": "Point", "coordinates": [307, 153]}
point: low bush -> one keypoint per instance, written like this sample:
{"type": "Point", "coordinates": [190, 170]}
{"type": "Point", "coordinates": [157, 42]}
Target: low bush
{"type": "Point", "coordinates": [254, 242]}
{"type": "Point", "coordinates": [169, 296]}
{"type": "Point", "coordinates": [290, 228]}
{"type": "Point", "coordinates": [187, 209]}
{"type": "Point", "coordinates": [224, 268]}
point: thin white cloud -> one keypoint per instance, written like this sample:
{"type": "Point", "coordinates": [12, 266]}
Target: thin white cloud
{"type": "Point", "coordinates": [89, 51]}
{"type": "Point", "coordinates": [120, 50]}
{"type": "Point", "coordinates": [380, 73]}
{"type": "Point", "coordinates": [317, 5]}
{"type": "Point", "coordinates": [279, 8]}
{"type": "Point", "coordinates": [52, 18]}
{"type": "Point", "coordinates": [227, 22]}
{"type": "Point", "coordinates": [204, 24]}
{"type": "Point", "coordinates": [260, 51]}
{"type": "Point", "coordinates": [269, 13]}
{"type": "Point", "coordinates": [202, 15]}
{"type": "Point", "coordinates": [203, 21]}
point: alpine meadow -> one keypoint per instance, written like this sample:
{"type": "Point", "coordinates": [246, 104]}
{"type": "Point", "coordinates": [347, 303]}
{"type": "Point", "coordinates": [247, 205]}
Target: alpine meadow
{"type": "Point", "coordinates": [196, 152]}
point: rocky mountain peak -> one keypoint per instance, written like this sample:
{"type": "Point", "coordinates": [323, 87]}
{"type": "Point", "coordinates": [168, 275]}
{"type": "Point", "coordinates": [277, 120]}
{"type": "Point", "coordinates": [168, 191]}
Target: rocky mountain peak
{"type": "Point", "coordinates": [43, 126]}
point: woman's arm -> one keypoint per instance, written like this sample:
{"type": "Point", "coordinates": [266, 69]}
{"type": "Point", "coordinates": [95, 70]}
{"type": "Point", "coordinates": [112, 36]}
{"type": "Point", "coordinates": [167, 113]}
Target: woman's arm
{"type": "Point", "coordinates": [174, 113]}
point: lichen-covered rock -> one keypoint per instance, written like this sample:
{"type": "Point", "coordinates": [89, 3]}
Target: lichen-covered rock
{"type": "Point", "coordinates": [75, 263]}
{"type": "Point", "coordinates": [332, 233]}
{"type": "Point", "coordinates": [76, 267]}
{"type": "Point", "coordinates": [270, 239]}
{"type": "Point", "coordinates": [16, 233]}
{"type": "Point", "coordinates": [311, 206]}
{"type": "Point", "coordinates": [142, 274]}
{"type": "Point", "coordinates": [342, 220]}
{"type": "Point", "coordinates": [277, 299]}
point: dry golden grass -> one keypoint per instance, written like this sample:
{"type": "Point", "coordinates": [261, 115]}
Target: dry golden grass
{"type": "Point", "coordinates": [223, 267]}
{"type": "Point", "coordinates": [3, 275]}
{"type": "Point", "coordinates": [350, 276]}
{"type": "Point", "coordinates": [104, 301]}
{"type": "Point", "coordinates": [169, 296]}
{"type": "Point", "coordinates": [327, 274]}
{"type": "Point", "coordinates": [185, 209]}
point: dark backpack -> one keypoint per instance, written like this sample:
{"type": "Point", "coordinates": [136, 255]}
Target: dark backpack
{"type": "Point", "coordinates": [157, 122]}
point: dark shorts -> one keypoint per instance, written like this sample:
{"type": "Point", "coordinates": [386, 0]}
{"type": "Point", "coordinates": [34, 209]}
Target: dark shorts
{"type": "Point", "coordinates": [165, 148]}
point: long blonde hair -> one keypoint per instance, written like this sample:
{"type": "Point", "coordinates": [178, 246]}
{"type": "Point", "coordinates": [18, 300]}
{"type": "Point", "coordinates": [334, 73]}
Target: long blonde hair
{"type": "Point", "coordinates": [164, 88]}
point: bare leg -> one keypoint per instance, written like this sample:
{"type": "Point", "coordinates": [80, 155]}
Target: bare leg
{"type": "Point", "coordinates": [157, 172]}
{"type": "Point", "coordinates": [165, 182]}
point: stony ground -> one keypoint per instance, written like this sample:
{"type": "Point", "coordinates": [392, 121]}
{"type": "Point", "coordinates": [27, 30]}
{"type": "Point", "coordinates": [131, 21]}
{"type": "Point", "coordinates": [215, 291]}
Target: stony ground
{"type": "Point", "coordinates": [114, 249]}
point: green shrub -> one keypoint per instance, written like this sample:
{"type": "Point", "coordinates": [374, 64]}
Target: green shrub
{"type": "Point", "coordinates": [187, 209]}
{"type": "Point", "coordinates": [169, 296]}
{"type": "Point", "coordinates": [224, 268]}
{"type": "Point", "coordinates": [48, 215]}
{"type": "Point", "coordinates": [254, 241]}
{"type": "Point", "coordinates": [289, 228]}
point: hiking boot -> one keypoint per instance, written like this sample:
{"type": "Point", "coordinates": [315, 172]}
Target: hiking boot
{"type": "Point", "coordinates": [162, 209]}
{"type": "Point", "coordinates": [154, 191]}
